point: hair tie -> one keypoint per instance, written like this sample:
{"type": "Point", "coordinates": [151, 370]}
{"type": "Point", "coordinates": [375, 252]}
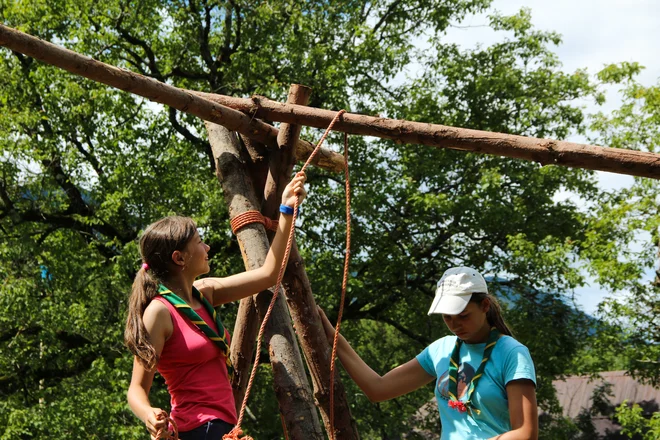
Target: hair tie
{"type": "Point", "coordinates": [145, 266]}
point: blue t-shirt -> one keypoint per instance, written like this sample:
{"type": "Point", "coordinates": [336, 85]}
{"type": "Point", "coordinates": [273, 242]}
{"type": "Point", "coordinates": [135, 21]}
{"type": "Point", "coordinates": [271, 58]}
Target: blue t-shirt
{"type": "Point", "coordinates": [510, 360]}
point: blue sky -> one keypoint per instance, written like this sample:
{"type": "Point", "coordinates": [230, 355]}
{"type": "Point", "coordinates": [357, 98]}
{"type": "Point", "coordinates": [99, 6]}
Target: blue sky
{"type": "Point", "coordinates": [595, 33]}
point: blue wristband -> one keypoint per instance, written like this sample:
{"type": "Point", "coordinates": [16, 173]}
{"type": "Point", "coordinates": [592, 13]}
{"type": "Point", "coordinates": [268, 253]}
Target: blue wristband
{"type": "Point", "coordinates": [288, 210]}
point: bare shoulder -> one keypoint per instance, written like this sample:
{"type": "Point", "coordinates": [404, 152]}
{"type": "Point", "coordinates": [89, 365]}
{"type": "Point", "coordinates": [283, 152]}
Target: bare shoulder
{"type": "Point", "coordinates": [157, 319]}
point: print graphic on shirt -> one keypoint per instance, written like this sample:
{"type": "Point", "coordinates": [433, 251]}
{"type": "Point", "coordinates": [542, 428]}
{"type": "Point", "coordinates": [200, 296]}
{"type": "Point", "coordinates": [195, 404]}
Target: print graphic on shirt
{"type": "Point", "coordinates": [465, 375]}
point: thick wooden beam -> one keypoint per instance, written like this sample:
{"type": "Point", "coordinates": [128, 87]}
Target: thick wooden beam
{"type": "Point", "coordinates": [543, 151]}
{"type": "Point", "coordinates": [156, 91]}
{"type": "Point", "coordinates": [292, 387]}
{"type": "Point", "coordinates": [298, 291]}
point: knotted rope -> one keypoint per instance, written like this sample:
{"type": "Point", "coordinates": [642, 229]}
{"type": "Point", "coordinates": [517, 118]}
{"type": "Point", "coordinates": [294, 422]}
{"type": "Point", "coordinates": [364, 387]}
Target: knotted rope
{"type": "Point", "coordinates": [165, 433]}
{"type": "Point", "coordinates": [237, 431]}
{"type": "Point", "coordinates": [248, 217]}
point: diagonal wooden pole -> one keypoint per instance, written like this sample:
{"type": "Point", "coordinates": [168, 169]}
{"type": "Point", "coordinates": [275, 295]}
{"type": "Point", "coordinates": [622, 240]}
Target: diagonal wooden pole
{"type": "Point", "coordinates": [209, 107]}
{"type": "Point", "coordinates": [157, 91]}
{"type": "Point", "coordinates": [291, 384]}
{"type": "Point", "coordinates": [543, 151]}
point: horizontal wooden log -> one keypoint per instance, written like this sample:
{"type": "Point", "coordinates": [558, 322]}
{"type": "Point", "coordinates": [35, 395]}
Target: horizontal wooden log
{"type": "Point", "coordinates": [157, 91]}
{"type": "Point", "coordinates": [543, 151]}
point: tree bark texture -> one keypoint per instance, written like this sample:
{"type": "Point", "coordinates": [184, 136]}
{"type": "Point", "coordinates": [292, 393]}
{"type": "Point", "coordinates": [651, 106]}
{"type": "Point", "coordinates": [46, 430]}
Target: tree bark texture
{"type": "Point", "coordinates": [156, 91]}
{"type": "Point", "coordinates": [543, 151]}
{"type": "Point", "coordinates": [291, 386]}
{"type": "Point", "coordinates": [298, 290]}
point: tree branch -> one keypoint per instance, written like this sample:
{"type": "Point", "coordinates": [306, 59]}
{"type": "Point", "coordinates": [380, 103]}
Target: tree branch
{"type": "Point", "coordinates": [202, 145]}
{"type": "Point", "coordinates": [93, 161]}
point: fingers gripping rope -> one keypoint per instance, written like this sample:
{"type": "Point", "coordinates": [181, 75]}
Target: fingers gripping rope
{"type": "Point", "coordinates": [165, 433]}
{"type": "Point", "coordinates": [237, 431]}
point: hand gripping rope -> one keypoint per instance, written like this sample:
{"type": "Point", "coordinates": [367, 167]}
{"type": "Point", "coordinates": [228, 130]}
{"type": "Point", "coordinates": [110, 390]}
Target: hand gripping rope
{"type": "Point", "coordinates": [237, 431]}
{"type": "Point", "coordinates": [165, 433]}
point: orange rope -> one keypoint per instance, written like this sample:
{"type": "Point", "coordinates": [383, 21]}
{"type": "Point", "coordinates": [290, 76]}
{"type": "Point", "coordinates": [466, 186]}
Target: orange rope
{"type": "Point", "coordinates": [164, 433]}
{"type": "Point", "coordinates": [237, 431]}
{"type": "Point", "coordinates": [286, 433]}
{"type": "Point", "coordinates": [248, 217]}
{"type": "Point", "coordinates": [343, 290]}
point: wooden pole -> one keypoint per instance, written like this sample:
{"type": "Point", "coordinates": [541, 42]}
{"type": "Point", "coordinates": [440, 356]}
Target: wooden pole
{"type": "Point", "coordinates": [298, 290]}
{"type": "Point", "coordinates": [543, 151]}
{"type": "Point", "coordinates": [292, 388]}
{"type": "Point", "coordinates": [156, 91]}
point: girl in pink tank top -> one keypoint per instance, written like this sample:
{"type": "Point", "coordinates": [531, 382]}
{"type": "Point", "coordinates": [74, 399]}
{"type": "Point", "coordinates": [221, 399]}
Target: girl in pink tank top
{"type": "Point", "coordinates": [173, 329]}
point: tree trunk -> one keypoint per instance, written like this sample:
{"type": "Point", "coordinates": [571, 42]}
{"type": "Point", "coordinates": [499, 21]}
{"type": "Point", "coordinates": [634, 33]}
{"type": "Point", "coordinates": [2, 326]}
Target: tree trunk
{"type": "Point", "coordinates": [298, 290]}
{"type": "Point", "coordinates": [291, 385]}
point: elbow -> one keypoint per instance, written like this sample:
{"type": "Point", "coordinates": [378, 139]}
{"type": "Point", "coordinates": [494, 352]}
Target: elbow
{"type": "Point", "coordinates": [373, 396]}
{"type": "Point", "coordinates": [269, 273]}
{"type": "Point", "coordinates": [376, 393]}
{"type": "Point", "coordinates": [530, 433]}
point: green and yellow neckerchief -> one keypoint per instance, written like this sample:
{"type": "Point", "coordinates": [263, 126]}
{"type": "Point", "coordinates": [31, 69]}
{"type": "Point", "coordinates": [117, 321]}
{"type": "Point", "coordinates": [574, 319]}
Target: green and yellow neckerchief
{"type": "Point", "coordinates": [187, 311]}
{"type": "Point", "coordinates": [454, 363]}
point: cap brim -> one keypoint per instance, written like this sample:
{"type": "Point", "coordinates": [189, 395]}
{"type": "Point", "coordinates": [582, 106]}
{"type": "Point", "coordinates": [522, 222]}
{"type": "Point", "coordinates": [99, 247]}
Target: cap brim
{"type": "Point", "coordinates": [449, 304]}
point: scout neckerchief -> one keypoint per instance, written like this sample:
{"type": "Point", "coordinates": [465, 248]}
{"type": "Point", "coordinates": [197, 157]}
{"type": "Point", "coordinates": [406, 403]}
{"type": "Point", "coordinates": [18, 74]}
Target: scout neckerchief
{"type": "Point", "coordinates": [187, 311]}
{"type": "Point", "coordinates": [453, 374]}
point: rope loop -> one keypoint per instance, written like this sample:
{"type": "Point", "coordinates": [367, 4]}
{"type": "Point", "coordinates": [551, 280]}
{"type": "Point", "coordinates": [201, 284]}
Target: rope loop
{"type": "Point", "coordinates": [165, 433]}
{"type": "Point", "coordinates": [249, 217]}
{"type": "Point", "coordinates": [235, 434]}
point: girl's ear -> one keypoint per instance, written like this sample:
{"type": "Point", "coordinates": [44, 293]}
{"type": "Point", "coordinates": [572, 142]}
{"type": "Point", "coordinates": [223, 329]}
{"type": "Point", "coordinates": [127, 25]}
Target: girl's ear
{"type": "Point", "coordinates": [177, 258]}
{"type": "Point", "coordinates": [485, 305]}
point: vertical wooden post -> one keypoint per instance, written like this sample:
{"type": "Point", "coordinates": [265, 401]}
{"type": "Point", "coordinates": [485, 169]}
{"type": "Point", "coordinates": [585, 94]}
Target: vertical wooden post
{"type": "Point", "coordinates": [293, 391]}
{"type": "Point", "coordinates": [298, 290]}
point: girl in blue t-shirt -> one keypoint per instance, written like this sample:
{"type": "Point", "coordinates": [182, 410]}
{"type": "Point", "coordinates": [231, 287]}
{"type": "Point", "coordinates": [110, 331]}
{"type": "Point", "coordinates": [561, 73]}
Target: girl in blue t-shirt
{"type": "Point", "coordinates": [485, 381]}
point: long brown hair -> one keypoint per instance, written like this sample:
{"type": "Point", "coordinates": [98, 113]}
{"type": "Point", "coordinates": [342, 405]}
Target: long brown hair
{"type": "Point", "coordinates": [157, 244]}
{"type": "Point", "coordinates": [494, 314]}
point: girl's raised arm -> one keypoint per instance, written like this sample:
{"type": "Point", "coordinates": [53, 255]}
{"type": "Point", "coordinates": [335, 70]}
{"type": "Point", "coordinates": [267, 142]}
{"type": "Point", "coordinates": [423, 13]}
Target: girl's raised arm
{"type": "Point", "coordinates": [241, 285]}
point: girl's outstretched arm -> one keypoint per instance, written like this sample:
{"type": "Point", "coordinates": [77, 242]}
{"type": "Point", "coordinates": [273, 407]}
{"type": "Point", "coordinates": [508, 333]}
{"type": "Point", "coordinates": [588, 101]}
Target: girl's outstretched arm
{"type": "Point", "coordinates": [241, 285]}
{"type": "Point", "coordinates": [397, 382]}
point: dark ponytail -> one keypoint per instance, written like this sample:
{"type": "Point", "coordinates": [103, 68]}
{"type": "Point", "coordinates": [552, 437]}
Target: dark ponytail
{"type": "Point", "coordinates": [494, 314]}
{"type": "Point", "coordinates": [157, 244]}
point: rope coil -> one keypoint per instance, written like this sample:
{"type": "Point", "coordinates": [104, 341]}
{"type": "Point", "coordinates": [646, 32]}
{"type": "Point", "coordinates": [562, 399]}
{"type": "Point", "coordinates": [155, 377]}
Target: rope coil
{"type": "Point", "coordinates": [237, 431]}
{"type": "Point", "coordinates": [249, 217]}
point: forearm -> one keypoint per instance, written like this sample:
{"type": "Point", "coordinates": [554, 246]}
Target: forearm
{"type": "Point", "coordinates": [275, 255]}
{"type": "Point", "coordinates": [138, 401]}
{"type": "Point", "coordinates": [516, 434]}
{"type": "Point", "coordinates": [363, 376]}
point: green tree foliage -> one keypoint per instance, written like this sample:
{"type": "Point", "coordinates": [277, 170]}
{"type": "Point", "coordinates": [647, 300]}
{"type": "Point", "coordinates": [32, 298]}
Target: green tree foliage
{"type": "Point", "coordinates": [84, 168]}
{"type": "Point", "coordinates": [622, 240]}
{"type": "Point", "coordinates": [637, 425]}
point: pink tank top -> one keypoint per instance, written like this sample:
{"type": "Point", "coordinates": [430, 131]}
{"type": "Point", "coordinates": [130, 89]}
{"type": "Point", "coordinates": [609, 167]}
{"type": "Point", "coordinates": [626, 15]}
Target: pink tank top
{"type": "Point", "coordinates": [195, 372]}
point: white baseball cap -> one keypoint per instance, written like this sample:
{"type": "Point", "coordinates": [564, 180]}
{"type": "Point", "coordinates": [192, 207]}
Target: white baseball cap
{"type": "Point", "coordinates": [455, 289]}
